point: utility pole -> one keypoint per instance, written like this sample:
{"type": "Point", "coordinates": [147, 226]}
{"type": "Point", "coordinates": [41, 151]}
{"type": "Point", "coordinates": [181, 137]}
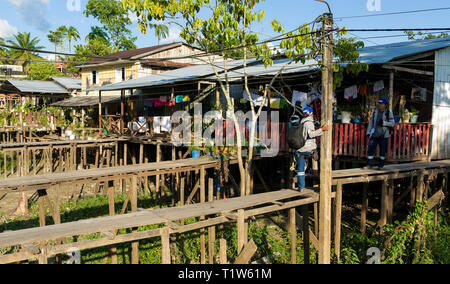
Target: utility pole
{"type": "Point", "coordinates": [326, 141]}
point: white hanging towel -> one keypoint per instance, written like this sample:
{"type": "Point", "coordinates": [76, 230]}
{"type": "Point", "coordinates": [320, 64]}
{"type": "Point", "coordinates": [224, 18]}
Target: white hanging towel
{"type": "Point", "coordinates": [378, 86]}
{"type": "Point", "coordinates": [351, 93]}
{"type": "Point", "coordinates": [166, 124]}
{"type": "Point", "coordinates": [157, 124]}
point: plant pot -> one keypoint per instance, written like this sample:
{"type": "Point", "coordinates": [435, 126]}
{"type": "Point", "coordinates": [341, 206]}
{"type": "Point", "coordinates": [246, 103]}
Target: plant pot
{"type": "Point", "coordinates": [414, 118]}
{"type": "Point", "coordinates": [195, 154]}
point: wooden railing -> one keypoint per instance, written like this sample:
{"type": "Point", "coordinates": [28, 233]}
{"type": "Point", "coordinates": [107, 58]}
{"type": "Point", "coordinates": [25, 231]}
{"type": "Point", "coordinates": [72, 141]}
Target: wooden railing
{"type": "Point", "coordinates": [408, 142]}
{"type": "Point", "coordinates": [112, 124]}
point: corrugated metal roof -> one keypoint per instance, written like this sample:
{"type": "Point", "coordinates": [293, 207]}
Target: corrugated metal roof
{"type": "Point", "coordinates": [370, 55]}
{"type": "Point", "coordinates": [42, 87]}
{"type": "Point", "coordinates": [68, 83]}
{"type": "Point", "coordinates": [85, 101]}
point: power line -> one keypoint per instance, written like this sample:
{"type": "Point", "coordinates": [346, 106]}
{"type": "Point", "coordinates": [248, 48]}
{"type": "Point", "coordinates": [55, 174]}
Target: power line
{"type": "Point", "coordinates": [393, 13]}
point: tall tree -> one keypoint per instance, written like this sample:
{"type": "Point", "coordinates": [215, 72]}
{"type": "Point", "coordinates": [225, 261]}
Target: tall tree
{"type": "Point", "coordinates": [24, 45]}
{"type": "Point", "coordinates": [56, 38]}
{"type": "Point", "coordinates": [115, 20]}
{"type": "Point", "coordinates": [227, 26]}
{"type": "Point", "coordinates": [72, 34]}
{"type": "Point", "coordinates": [161, 31]}
{"type": "Point", "coordinates": [95, 47]}
{"type": "Point", "coordinates": [97, 33]}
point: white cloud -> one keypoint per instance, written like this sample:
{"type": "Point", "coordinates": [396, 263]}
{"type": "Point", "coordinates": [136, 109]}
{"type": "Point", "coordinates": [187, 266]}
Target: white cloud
{"type": "Point", "coordinates": [33, 12]}
{"type": "Point", "coordinates": [174, 36]}
{"type": "Point", "coordinates": [133, 17]}
{"type": "Point", "coordinates": [6, 30]}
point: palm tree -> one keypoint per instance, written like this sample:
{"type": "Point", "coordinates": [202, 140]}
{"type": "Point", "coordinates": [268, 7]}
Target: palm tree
{"type": "Point", "coordinates": [23, 48]}
{"type": "Point", "coordinates": [72, 33]}
{"type": "Point", "coordinates": [56, 38]}
{"type": "Point", "coordinates": [161, 31]}
{"type": "Point", "coordinates": [2, 50]}
{"type": "Point", "coordinates": [97, 33]}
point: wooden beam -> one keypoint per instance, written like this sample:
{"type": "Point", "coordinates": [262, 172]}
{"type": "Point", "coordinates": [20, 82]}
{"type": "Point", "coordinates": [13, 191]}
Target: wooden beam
{"type": "Point", "coordinates": [408, 70]}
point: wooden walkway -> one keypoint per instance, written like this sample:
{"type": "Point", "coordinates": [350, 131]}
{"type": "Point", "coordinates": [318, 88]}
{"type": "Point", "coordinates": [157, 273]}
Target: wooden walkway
{"type": "Point", "coordinates": [33, 242]}
{"type": "Point", "coordinates": [30, 183]}
{"type": "Point", "coordinates": [418, 178]}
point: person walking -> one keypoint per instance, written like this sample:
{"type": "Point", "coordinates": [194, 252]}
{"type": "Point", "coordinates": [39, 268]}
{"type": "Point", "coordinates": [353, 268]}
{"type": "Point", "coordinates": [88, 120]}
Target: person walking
{"type": "Point", "coordinates": [380, 127]}
{"type": "Point", "coordinates": [309, 135]}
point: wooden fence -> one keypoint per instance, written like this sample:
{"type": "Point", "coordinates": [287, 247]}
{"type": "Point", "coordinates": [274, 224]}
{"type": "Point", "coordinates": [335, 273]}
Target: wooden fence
{"type": "Point", "coordinates": [408, 142]}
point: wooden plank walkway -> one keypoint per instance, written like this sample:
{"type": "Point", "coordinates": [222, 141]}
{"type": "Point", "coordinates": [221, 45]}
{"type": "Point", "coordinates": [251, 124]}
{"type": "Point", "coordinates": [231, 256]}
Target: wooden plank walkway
{"type": "Point", "coordinates": [245, 207]}
{"type": "Point", "coordinates": [30, 183]}
{"type": "Point", "coordinates": [390, 172]}
{"type": "Point", "coordinates": [59, 143]}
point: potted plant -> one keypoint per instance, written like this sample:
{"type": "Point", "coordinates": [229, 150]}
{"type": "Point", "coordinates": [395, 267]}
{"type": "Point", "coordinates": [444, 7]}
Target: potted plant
{"type": "Point", "coordinates": [414, 115]}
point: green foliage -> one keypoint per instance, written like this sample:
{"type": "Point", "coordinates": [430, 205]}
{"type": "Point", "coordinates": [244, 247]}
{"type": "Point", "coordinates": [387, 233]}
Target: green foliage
{"type": "Point", "coordinates": [25, 42]}
{"type": "Point", "coordinates": [421, 36]}
{"type": "Point", "coordinates": [410, 242]}
{"type": "Point", "coordinates": [115, 20]}
{"type": "Point", "coordinates": [42, 71]}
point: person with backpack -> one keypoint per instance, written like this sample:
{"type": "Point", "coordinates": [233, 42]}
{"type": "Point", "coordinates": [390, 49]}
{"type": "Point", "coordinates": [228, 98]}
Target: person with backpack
{"type": "Point", "coordinates": [302, 138]}
{"type": "Point", "coordinates": [380, 127]}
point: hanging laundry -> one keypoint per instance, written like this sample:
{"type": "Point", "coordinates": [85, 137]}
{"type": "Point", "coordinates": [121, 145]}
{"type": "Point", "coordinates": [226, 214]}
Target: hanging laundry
{"type": "Point", "coordinates": [363, 90]}
{"type": "Point", "coordinates": [186, 99]}
{"type": "Point", "coordinates": [166, 124]}
{"type": "Point", "coordinates": [179, 99]}
{"type": "Point", "coordinates": [163, 99]}
{"type": "Point", "coordinates": [257, 100]}
{"type": "Point", "coordinates": [378, 86]}
{"type": "Point", "coordinates": [299, 97]}
{"type": "Point", "coordinates": [159, 103]}
{"type": "Point", "coordinates": [149, 103]}
{"type": "Point", "coordinates": [157, 124]}
{"type": "Point", "coordinates": [351, 93]}
{"type": "Point", "coordinates": [275, 103]}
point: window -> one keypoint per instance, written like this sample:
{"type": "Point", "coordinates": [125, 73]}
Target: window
{"type": "Point", "coordinates": [94, 75]}
{"type": "Point", "coordinates": [120, 74]}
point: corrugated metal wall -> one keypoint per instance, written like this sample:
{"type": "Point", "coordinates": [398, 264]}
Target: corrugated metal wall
{"type": "Point", "coordinates": [441, 106]}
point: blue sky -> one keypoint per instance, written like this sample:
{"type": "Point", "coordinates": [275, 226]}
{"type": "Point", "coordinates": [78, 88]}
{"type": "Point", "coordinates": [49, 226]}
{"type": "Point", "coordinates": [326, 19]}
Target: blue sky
{"type": "Point", "coordinates": [38, 16]}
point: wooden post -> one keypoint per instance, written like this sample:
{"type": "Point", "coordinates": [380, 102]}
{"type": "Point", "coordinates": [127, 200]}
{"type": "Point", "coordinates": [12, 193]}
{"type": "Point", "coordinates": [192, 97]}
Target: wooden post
{"type": "Point", "coordinates": [390, 202]}
{"type": "Point", "coordinates": [134, 208]}
{"type": "Point", "coordinates": [391, 91]}
{"type": "Point", "coordinates": [306, 245]}
{"type": "Point", "coordinates": [100, 111]}
{"type": "Point", "coordinates": [223, 251]}
{"type": "Point", "coordinates": [384, 204]}
{"type": "Point", "coordinates": [165, 246]}
{"type": "Point", "coordinates": [111, 195]}
{"type": "Point", "coordinates": [326, 145]}
{"type": "Point", "coordinates": [43, 256]}
{"type": "Point", "coordinates": [202, 200]}
{"type": "Point", "coordinates": [241, 241]}
{"type": "Point", "coordinates": [338, 220]}
{"type": "Point", "coordinates": [293, 232]}
{"type": "Point", "coordinates": [211, 230]}
{"type": "Point", "coordinates": [365, 207]}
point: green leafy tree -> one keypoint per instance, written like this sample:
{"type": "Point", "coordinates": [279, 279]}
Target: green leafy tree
{"type": "Point", "coordinates": [56, 38]}
{"type": "Point", "coordinates": [24, 45]}
{"type": "Point", "coordinates": [421, 36]}
{"type": "Point", "coordinates": [72, 34]}
{"type": "Point", "coordinates": [95, 47]}
{"type": "Point", "coordinates": [42, 71]}
{"type": "Point", "coordinates": [115, 20]}
{"type": "Point", "coordinates": [97, 33]}
{"type": "Point", "coordinates": [225, 27]}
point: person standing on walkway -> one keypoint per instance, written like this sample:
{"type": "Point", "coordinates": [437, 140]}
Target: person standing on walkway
{"type": "Point", "coordinates": [380, 127]}
{"type": "Point", "coordinates": [309, 135]}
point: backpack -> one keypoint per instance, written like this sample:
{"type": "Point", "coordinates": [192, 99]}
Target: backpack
{"type": "Point", "coordinates": [296, 140]}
